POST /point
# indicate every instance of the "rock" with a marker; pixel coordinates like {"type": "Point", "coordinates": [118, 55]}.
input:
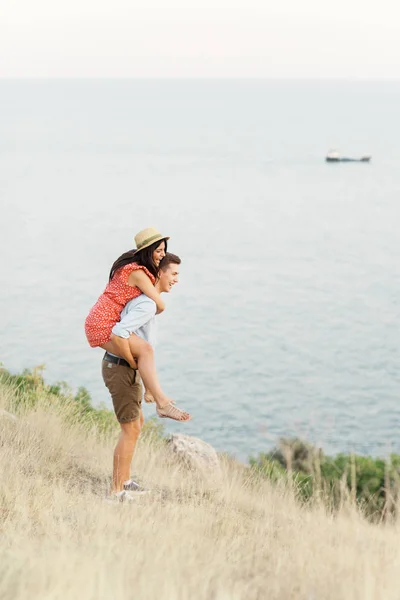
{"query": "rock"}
{"type": "Point", "coordinates": [7, 415]}
{"type": "Point", "coordinates": [197, 455]}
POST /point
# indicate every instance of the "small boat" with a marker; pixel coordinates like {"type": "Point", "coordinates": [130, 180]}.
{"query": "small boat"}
{"type": "Point", "coordinates": [334, 157]}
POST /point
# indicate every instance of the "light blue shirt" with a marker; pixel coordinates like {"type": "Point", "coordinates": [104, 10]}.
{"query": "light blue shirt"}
{"type": "Point", "coordinates": [138, 317]}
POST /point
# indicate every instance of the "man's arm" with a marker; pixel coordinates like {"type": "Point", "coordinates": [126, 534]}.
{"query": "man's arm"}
{"type": "Point", "coordinates": [135, 314]}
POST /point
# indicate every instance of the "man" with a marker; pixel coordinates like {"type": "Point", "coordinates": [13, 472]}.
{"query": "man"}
{"type": "Point", "coordinates": [124, 383]}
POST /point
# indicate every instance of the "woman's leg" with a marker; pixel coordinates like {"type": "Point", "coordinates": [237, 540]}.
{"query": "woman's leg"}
{"type": "Point", "coordinates": [144, 354]}
{"type": "Point", "coordinates": [120, 347]}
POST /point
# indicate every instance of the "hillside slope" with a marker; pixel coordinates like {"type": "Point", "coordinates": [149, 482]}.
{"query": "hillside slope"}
{"type": "Point", "coordinates": [60, 540]}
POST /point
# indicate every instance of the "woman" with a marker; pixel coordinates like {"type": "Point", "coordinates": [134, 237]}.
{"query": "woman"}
{"type": "Point", "coordinates": [132, 274]}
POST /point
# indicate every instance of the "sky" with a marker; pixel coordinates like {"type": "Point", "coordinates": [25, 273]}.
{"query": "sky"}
{"type": "Point", "coordinates": [206, 38]}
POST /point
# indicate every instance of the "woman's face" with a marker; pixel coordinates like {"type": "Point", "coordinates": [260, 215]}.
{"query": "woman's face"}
{"type": "Point", "coordinates": [159, 253]}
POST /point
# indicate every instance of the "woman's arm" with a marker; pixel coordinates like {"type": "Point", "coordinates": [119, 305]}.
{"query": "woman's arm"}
{"type": "Point", "coordinates": [139, 279]}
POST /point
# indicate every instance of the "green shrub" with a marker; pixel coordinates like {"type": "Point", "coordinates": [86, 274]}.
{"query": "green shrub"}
{"type": "Point", "coordinates": [29, 388]}
{"type": "Point", "coordinates": [373, 483]}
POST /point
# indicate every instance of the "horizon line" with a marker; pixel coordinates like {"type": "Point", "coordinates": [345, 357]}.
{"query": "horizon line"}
{"type": "Point", "coordinates": [354, 79]}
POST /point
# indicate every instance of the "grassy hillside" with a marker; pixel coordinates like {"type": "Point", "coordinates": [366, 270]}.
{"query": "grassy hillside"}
{"type": "Point", "coordinates": [250, 539]}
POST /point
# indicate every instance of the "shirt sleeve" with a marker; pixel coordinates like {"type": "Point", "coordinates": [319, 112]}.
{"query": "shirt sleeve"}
{"type": "Point", "coordinates": [135, 314]}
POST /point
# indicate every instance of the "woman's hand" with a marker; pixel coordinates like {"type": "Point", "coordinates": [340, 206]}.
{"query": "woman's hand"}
{"type": "Point", "coordinates": [139, 279]}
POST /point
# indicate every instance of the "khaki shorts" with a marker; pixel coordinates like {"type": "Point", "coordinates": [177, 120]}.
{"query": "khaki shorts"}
{"type": "Point", "coordinates": [125, 387]}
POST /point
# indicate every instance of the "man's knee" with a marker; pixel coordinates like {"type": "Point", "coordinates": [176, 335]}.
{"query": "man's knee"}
{"type": "Point", "coordinates": [132, 429]}
{"type": "Point", "coordinates": [137, 426]}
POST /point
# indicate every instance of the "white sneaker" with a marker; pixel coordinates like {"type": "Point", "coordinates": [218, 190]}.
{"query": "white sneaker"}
{"type": "Point", "coordinates": [123, 496]}
{"type": "Point", "coordinates": [133, 486]}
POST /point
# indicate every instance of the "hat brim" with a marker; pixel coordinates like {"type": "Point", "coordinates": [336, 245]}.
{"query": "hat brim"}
{"type": "Point", "coordinates": [151, 241]}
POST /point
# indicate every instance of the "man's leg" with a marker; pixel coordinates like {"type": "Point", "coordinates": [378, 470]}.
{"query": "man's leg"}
{"type": "Point", "coordinates": [124, 451]}
{"type": "Point", "coordinates": [125, 387]}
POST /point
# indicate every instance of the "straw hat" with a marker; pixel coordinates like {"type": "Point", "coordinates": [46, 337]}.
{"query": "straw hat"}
{"type": "Point", "coordinates": [148, 236]}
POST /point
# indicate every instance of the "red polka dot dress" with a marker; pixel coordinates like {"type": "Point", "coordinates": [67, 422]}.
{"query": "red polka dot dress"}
{"type": "Point", "coordinates": [106, 312]}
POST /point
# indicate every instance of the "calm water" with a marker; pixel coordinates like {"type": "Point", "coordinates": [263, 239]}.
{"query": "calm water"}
{"type": "Point", "coordinates": [286, 319]}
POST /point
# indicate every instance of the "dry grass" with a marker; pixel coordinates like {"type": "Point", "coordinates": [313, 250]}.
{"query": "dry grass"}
{"type": "Point", "coordinates": [248, 540]}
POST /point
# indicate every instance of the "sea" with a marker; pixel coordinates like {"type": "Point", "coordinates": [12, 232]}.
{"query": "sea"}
{"type": "Point", "coordinates": [285, 321]}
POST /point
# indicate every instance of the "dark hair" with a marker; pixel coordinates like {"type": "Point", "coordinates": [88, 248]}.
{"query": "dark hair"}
{"type": "Point", "coordinates": [141, 257]}
{"type": "Point", "coordinates": [169, 259]}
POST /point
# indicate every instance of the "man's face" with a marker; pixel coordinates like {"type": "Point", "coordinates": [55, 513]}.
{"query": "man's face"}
{"type": "Point", "coordinates": [168, 278]}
